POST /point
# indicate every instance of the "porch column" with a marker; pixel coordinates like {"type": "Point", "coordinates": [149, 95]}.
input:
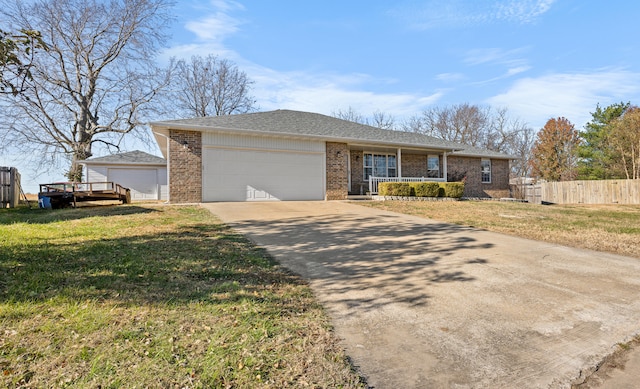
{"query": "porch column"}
{"type": "Point", "coordinates": [444, 165]}
{"type": "Point", "coordinates": [399, 162]}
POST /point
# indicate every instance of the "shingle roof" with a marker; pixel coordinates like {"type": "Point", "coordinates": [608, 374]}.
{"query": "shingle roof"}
{"type": "Point", "coordinates": [471, 151]}
{"type": "Point", "coordinates": [307, 124]}
{"type": "Point", "coordinates": [136, 157]}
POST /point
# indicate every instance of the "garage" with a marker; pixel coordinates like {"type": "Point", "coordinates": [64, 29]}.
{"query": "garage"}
{"type": "Point", "coordinates": [144, 183]}
{"type": "Point", "coordinates": [235, 174]}
{"type": "Point", "coordinates": [143, 173]}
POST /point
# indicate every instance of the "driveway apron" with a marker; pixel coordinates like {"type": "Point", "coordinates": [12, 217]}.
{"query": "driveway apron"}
{"type": "Point", "coordinates": [423, 304]}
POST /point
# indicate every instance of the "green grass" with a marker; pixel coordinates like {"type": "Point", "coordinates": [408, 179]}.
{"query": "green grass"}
{"type": "Point", "coordinates": [144, 296]}
{"type": "Point", "coordinates": [609, 228]}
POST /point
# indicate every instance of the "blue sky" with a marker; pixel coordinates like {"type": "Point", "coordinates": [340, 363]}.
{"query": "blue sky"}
{"type": "Point", "coordinates": [538, 58]}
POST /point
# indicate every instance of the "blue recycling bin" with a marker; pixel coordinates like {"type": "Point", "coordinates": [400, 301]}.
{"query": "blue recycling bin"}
{"type": "Point", "coordinates": [44, 202]}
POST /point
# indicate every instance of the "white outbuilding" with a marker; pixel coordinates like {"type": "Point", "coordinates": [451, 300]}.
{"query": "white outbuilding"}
{"type": "Point", "coordinates": [143, 173]}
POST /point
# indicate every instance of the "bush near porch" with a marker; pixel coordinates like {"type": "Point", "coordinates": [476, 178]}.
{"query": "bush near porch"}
{"type": "Point", "coordinates": [421, 189]}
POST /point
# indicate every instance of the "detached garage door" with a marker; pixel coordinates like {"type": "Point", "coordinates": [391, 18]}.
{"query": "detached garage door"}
{"type": "Point", "coordinates": [142, 182]}
{"type": "Point", "coordinates": [262, 175]}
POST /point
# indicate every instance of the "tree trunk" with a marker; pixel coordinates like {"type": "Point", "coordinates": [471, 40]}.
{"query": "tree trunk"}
{"type": "Point", "coordinates": [80, 154]}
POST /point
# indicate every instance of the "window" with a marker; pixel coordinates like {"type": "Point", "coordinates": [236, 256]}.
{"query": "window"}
{"type": "Point", "coordinates": [485, 165]}
{"type": "Point", "coordinates": [433, 166]}
{"type": "Point", "coordinates": [379, 165]}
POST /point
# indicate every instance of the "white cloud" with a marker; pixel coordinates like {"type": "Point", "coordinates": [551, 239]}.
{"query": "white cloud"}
{"type": "Point", "coordinates": [327, 93]}
{"type": "Point", "coordinates": [227, 5]}
{"type": "Point", "coordinates": [457, 13]}
{"type": "Point", "coordinates": [213, 27]}
{"type": "Point", "coordinates": [450, 77]}
{"type": "Point", "coordinates": [517, 70]}
{"type": "Point", "coordinates": [492, 55]}
{"type": "Point", "coordinates": [211, 30]}
{"type": "Point", "coordinates": [574, 96]}
{"type": "Point", "coordinates": [510, 62]}
{"type": "Point", "coordinates": [522, 11]}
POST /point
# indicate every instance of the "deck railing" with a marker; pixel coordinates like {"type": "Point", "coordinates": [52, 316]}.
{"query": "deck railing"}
{"type": "Point", "coordinates": [374, 181]}
{"type": "Point", "coordinates": [90, 187]}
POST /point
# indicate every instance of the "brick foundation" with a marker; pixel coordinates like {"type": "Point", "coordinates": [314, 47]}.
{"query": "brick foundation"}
{"type": "Point", "coordinates": [185, 172]}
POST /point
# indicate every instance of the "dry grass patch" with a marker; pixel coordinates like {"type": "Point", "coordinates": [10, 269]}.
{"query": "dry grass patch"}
{"type": "Point", "coordinates": [144, 296]}
{"type": "Point", "coordinates": [610, 228]}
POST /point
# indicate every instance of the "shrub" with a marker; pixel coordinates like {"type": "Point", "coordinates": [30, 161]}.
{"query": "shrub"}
{"type": "Point", "coordinates": [425, 189]}
{"type": "Point", "coordinates": [394, 189]}
{"type": "Point", "coordinates": [452, 189]}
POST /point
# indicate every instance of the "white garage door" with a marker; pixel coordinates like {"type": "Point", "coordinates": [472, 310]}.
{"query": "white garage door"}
{"type": "Point", "coordinates": [142, 182]}
{"type": "Point", "coordinates": [262, 175]}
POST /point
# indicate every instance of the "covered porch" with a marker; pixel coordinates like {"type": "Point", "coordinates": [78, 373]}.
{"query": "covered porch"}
{"type": "Point", "coordinates": [370, 165]}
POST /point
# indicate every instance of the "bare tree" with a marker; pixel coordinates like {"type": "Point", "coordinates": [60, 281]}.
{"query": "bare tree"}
{"type": "Point", "coordinates": [383, 120]}
{"type": "Point", "coordinates": [521, 146]}
{"type": "Point", "coordinates": [502, 131]}
{"type": "Point", "coordinates": [351, 115]}
{"type": "Point", "coordinates": [484, 127]}
{"type": "Point", "coordinates": [462, 123]}
{"type": "Point", "coordinates": [378, 119]}
{"type": "Point", "coordinates": [413, 124]}
{"type": "Point", "coordinates": [211, 86]}
{"type": "Point", "coordinates": [95, 82]}
{"type": "Point", "coordinates": [624, 139]}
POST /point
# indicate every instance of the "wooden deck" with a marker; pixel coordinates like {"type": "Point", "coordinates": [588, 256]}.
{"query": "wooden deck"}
{"type": "Point", "coordinates": [62, 194]}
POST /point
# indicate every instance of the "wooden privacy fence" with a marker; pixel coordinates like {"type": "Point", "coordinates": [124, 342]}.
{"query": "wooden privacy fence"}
{"type": "Point", "coordinates": [9, 187]}
{"type": "Point", "coordinates": [582, 192]}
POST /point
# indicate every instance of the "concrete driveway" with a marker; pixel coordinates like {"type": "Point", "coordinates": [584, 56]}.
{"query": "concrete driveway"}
{"type": "Point", "coordinates": [424, 304]}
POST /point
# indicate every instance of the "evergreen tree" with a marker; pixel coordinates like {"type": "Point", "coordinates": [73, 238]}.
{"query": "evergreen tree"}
{"type": "Point", "coordinates": [597, 156]}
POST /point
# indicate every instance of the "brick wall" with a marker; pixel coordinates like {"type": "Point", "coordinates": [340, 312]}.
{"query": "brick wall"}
{"type": "Point", "coordinates": [414, 165]}
{"type": "Point", "coordinates": [357, 173]}
{"type": "Point", "coordinates": [470, 167]}
{"type": "Point", "coordinates": [337, 173]}
{"type": "Point", "coordinates": [185, 167]}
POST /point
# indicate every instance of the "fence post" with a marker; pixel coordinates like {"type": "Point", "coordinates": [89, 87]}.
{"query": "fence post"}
{"type": "Point", "coordinates": [9, 187]}
{"type": "Point", "coordinates": [3, 187]}
{"type": "Point", "coordinates": [14, 188]}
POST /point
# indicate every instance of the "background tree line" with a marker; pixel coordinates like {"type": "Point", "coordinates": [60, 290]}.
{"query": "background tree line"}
{"type": "Point", "coordinates": [607, 148]}
{"type": "Point", "coordinates": [473, 125]}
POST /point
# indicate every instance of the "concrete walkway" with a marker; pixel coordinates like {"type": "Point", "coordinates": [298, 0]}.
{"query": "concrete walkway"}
{"type": "Point", "coordinates": [424, 304]}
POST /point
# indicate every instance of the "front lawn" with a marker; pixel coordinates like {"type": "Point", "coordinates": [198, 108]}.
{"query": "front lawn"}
{"type": "Point", "coordinates": [610, 228]}
{"type": "Point", "coordinates": [154, 296]}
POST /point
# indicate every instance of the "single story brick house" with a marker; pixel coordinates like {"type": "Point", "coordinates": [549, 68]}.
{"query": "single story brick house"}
{"type": "Point", "coordinates": [143, 173]}
{"type": "Point", "coordinates": [293, 155]}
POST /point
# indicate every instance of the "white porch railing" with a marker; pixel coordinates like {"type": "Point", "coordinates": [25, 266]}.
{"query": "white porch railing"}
{"type": "Point", "coordinates": [374, 181]}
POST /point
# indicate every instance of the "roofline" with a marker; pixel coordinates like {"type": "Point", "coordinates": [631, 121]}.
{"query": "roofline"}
{"type": "Point", "coordinates": [88, 162]}
{"type": "Point", "coordinates": [173, 126]}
